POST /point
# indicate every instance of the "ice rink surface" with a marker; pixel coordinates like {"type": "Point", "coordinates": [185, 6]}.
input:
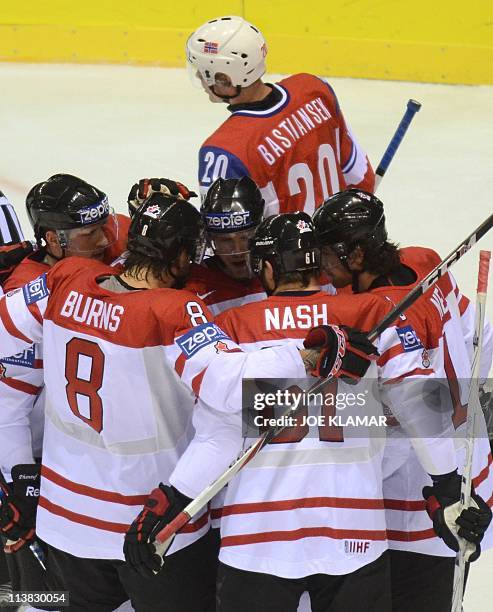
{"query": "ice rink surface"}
{"type": "Point", "coordinates": [112, 125]}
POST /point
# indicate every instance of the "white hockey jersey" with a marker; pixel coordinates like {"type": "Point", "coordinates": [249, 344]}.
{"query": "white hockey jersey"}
{"type": "Point", "coordinates": [312, 502]}
{"type": "Point", "coordinates": [119, 373]}
{"type": "Point", "coordinates": [409, 526]}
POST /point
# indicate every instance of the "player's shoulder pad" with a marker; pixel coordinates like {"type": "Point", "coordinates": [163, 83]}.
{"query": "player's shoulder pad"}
{"type": "Point", "coordinates": [360, 310]}
{"type": "Point", "coordinates": [173, 307]}
{"type": "Point", "coordinates": [36, 289]}
{"type": "Point", "coordinates": [422, 257]}
{"type": "Point", "coordinates": [306, 81]}
{"type": "Point", "coordinates": [71, 267]}
{"type": "Point", "coordinates": [217, 161]}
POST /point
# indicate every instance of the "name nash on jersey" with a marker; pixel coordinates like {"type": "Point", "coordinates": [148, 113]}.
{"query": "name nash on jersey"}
{"type": "Point", "coordinates": [304, 316]}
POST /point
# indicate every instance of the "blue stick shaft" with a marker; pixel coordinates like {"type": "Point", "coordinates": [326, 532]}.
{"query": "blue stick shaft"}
{"type": "Point", "coordinates": [412, 108]}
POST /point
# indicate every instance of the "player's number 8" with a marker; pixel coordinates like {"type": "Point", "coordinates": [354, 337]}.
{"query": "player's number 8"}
{"type": "Point", "coordinates": [87, 387]}
{"type": "Point", "coordinates": [196, 314]}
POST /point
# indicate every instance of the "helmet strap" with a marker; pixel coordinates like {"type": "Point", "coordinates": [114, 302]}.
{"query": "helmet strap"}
{"type": "Point", "coordinates": [226, 98]}
{"type": "Point", "coordinates": [355, 282]}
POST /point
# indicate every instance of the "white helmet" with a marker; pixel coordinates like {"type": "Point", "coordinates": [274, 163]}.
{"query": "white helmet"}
{"type": "Point", "coordinates": [229, 45]}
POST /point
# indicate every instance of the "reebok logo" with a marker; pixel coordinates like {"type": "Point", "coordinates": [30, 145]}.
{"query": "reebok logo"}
{"type": "Point", "coordinates": [32, 492]}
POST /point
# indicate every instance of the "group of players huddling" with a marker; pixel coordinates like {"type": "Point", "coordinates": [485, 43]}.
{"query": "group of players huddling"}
{"type": "Point", "coordinates": [124, 342]}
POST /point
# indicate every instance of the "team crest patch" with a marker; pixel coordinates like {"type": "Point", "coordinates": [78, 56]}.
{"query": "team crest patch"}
{"type": "Point", "coordinates": [35, 290]}
{"type": "Point", "coordinates": [153, 211]}
{"type": "Point", "coordinates": [199, 337]}
{"type": "Point", "coordinates": [221, 346]}
{"type": "Point", "coordinates": [303, 226]}
{"type": "Point", "coordinates": [409, 339]}
{"type": "Point", "coordinates": [425, 359]}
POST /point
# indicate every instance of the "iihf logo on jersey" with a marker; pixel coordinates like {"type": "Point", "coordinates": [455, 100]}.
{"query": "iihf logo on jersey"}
{"type": "Point", "coordinates": [409, 339]}
{"type": "Point", "coordinates": [35, 290]}
{"type": "Point", "coordinates": [356, 547]}
{"type": "Point", "coordinates": [211, 47]}
{"type": "Point", "coordinates": [26, 358]}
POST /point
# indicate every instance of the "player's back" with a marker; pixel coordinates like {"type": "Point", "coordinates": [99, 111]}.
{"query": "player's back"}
{"type": "Point", "coordinates": [117, 415]}
{"type": "Point", "coordinates": [299, 150]}
{"type": "Point", "coordinates": [311, 502]}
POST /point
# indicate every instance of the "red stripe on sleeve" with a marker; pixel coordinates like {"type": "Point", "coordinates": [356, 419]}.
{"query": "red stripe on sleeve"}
{"type": "Point", "coordinates": [415, 372]}
{"type": "Point", "coordinates": [197, 382]}
{"type": "Point", "coordinates": [180, 364]}
{"type": "Point", "coordinates": [463, 304]}
{"type": "Point", "coordinates": [20, 385]}
{"type": "Point", "coordinates": [389, 354]}
{"type": "Point", "coordinates": [34, 310]}
{"type": "Point", "coordinates": [9, 324]}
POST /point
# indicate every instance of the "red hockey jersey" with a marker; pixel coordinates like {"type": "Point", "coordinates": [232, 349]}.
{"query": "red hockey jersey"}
{"type": "Point", "coordinates": [299, 152]}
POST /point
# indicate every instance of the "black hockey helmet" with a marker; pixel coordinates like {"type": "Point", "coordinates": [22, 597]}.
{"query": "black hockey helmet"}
{"type": "Point", "coordinates": [348, 217]}
{"type": "Point", "coordinates": [232, 205]}
{"type": "Point", "coordinates": [164, 225]}
{"type": "Point", "coordinates": [288, 242]}
{"type": "Point", "coordinates": [65, 202]}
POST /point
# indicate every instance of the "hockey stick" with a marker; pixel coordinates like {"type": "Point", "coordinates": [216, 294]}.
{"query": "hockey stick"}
{"type": "Point", "coordinates": [208, 493]}
{"type": "Point", "coordinates": [34, 546]}
{"type": "Point", "coordinates": [472, 413]}
{"type": "Point", "coordinates": [412, 108]}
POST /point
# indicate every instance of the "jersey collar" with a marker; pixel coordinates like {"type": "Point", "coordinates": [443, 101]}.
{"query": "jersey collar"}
{"type": "Point", "coordinates": [270, 105]}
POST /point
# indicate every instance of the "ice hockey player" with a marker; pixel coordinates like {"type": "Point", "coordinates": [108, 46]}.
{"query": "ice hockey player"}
{"type": "Point", "coordinates": [230, 213]}
{"type": "Point", "coordinates": [290, 137]}
{"type": "Point", "coordinates": [107, 339]}
{"type": "Point", "coordinates": [356, 252]}
{"type": "Point", "coordinates": [69, 217]}
{"type": "Point", "coordinates": [290, 275]}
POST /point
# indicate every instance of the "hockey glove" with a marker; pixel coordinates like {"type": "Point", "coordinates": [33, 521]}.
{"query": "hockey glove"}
{"type": "Point", "coordinates": [161, 507]}
{"type": "Point", "coordinates": [146, 187]}
{"type": "Point", "coordinates": [443, 507]}
{"type": "Point", "coordinates": [19, 502]}
{"type": "Point", "coordinates": [346, 352]}
{"type": "Point", "coordinates": [11, 255]}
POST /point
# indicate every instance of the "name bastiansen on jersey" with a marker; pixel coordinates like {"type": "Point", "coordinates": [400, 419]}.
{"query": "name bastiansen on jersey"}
{"type": "Point", "coordinates": [291, 129]}
{"type": "Point", "coordinates": [321, 421]}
